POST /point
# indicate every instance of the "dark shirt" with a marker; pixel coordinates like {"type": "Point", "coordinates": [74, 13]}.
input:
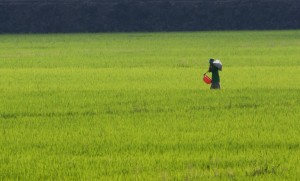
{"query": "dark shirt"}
{"type": "Point", "coordinates": [215, 74]}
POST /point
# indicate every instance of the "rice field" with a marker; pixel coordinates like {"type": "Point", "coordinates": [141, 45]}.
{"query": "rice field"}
{"type": "Point", "coordinates": [133, 106]}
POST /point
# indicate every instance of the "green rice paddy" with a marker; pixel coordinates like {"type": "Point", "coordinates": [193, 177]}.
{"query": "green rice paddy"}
{"type": "Point", "coordinates": [133, 106]}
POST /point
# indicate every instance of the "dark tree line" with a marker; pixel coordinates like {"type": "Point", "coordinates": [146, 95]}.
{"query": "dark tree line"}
{"type": "Point", "coordinates": [157, 15]}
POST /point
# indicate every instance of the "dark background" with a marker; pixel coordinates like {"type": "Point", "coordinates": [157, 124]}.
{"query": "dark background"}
{"type": "Point", "coordinates": [48, 16]}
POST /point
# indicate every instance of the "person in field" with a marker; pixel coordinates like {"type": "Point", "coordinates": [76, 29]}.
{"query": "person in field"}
{"type": "Point", "coordinates": [215, 83]}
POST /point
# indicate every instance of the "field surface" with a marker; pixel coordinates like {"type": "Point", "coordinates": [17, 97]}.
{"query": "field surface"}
{"type": "Point", "coordinates": [134, 106]}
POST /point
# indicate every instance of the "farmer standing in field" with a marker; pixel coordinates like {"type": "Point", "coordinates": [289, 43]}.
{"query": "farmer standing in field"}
{"type": "Point", "coordinates": [214, 67]}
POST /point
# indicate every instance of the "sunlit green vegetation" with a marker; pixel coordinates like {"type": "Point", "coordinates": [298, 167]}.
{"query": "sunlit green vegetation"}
{"type": "Point", "coordinates": [134, 106]}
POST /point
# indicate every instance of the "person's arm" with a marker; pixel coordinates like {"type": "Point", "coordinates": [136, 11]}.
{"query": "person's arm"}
{"type": "Point", "coordinates": [210, 68]}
